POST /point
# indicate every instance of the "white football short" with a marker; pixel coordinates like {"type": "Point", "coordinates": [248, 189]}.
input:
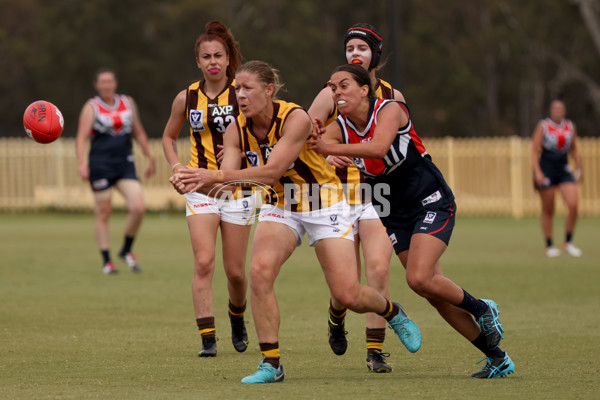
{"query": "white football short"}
{"type": "Point", "coordinates": [234, 211]}
{"type": "Point", "coordinates": [359, 212]}
{"type": "Point", "coordinates": [325, 223]}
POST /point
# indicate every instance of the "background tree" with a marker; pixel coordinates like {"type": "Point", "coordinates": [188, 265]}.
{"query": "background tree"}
{"type": "Point", "coordinates": [468, 68]}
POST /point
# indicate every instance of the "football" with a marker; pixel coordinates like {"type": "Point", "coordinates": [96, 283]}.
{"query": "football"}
{"type": "Point", "coordinates": [43, 121]}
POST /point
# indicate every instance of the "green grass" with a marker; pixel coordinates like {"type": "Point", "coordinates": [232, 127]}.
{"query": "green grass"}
{"type": "Point", "coordinates": [68, 332]}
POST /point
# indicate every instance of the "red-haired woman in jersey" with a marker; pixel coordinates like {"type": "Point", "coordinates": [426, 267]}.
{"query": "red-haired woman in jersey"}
{"type": "Point", "coordinates": [111, 120]}
{"type": "Point", "coordinates": [418, 206]}
{"type": "Point", "coordinates": [209, 105]}
{"type": "Point", "coordinates": [363, 46]}
{"type": "Point", "coordinates": [554, 138]}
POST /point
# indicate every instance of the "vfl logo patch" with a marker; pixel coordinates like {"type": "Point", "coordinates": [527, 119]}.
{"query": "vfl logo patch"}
{"type": "Point", "coordinates": [360, 163]}
{"type": "Point", "coordinates": [252, 158]}
{"type": "Point", "coordinates": [245, 203]}
{"type": "Point", "coordinates": [197, 120]}
{"type": "Point", "coordinates": [430, 217]}
{"type": "Point", "coordinates": [333, 219]}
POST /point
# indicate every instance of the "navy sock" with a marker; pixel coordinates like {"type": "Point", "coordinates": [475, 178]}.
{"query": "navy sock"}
{"type": "Point", "coordinates": [569, 237]}
{"type": "Point", "coordinates": [481, 344]}
{"type": "Point", "coordinates": [472, 305]}
{"type": "Point", "coordinates": [105, 256]}
{"type": "Point", "coordinates": [127, 245]}
{"type": "Point", "coordinates": [548, 242]}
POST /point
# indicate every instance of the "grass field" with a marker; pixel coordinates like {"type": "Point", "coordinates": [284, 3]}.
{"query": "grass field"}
{"type": "Point", "coordinates": [68, 332]}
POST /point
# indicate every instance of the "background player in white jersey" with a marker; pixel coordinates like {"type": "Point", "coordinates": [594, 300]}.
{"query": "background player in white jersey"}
{"type": "Point", "coordinates": [111, 120]}
{"type": "Point", "coordinates": [554, 138]}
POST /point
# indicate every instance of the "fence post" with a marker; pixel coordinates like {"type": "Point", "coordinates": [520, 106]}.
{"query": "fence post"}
{"type": "Point", "coordinates": [450, 154]}
{"type": "Point", "coordinates": [60, 160]}
{"type": "Point", "coordinates": [516, 177]}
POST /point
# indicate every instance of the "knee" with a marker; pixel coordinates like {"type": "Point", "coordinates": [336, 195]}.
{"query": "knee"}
{"type": "Point", "coordinates": [261, 279]}
{"type": "Point", "coordinates": [419, 283]}
{"type": "Point", "coordinates": [138, 208]}
{"type": "Point", "coordinates": [548, 210]}
{"type": "Point", "coordinates": [103, 212]}
{"type": "Point", "coordinates": [346, 297]}
{"type": "Point", "coordinates": [204, 266]}
{"type": "Point", "coordinates": [236, 276]}
{"type": "Point", "coordinates": [378, 275]}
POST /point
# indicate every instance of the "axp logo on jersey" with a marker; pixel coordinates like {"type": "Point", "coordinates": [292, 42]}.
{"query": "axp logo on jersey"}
{"type": "Point", "coordinates": [219, 111]}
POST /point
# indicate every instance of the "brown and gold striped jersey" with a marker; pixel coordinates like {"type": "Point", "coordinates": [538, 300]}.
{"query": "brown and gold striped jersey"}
{"type": "Point", "coordinates": [309, 183]}
{"type": "Point", "coordinates": [208, 119]}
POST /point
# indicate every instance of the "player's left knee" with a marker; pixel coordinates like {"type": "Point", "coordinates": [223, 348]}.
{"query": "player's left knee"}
{"type": "Point", "coordinates": [346, 298]}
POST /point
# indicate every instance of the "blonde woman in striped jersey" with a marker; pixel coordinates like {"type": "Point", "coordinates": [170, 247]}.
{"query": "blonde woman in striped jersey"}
{"type": "Point", "coordinates": [303, 196]}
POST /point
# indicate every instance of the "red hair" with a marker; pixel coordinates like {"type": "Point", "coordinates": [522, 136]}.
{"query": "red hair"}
{"type": "Point", "coordinates": [216, 30]}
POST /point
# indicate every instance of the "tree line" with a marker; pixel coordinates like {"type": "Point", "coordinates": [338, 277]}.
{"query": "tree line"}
{"type": "Point", "coordinates": [466, 68]}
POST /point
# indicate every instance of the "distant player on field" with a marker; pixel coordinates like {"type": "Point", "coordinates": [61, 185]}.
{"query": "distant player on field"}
{"type": "Point", "coordinates": [554, 138]}
{"type": "Point", "coordinates": [111, 120]}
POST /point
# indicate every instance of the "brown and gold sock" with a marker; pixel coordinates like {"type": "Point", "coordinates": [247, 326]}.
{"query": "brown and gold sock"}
{"type": "Point", "coordinates": [270, 352]}
{"type": "Point", "coordinates": [336, 317]}
{"type": "Point", "coordinates": [391, 310]}
{"type": "Point", "coordinates": [375, 338]}
{"type": "Point", "coordinates": [236, 311]}
{"type": "Point", "coordinates": [206, 326]}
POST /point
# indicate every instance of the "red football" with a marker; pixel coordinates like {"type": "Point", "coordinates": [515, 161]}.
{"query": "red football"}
{"type": "Point", "coordinates": [43, 121]}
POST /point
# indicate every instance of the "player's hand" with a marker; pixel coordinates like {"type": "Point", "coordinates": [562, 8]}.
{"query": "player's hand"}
{"type": "Point", "coordinates": [179, 186]}
{"type": "Point", "coordinates": [220, 154]}
{"type": "Point", "coordinates": [195, 178]}
{"type": "Point", "coordinates": [541, 180]}
{"type": "Point", "coordinates": [316, 143]}
{"type": "Point", "coordinates": [318, 126]}
{"type": "Point", "coordinates": [578, 175]}
{"type": "Point", "coordinates": [339, 161]}
{"type": "Point", "coordinates": [84, 172]}
{"type": "Point", "coordinates": [151, 168]}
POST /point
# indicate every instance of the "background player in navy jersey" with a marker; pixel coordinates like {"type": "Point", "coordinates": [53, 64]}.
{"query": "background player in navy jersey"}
{"type": "Point", "coordinates": [554, 138]}
{"type": "Point", "coordinates": [363, 46]}
{"type": "Point", "coordinates": [419, 214]}
{"type": "Point", "coordinates": [111, 120]}
{"type": "Point", "coordinates": [209, 105]}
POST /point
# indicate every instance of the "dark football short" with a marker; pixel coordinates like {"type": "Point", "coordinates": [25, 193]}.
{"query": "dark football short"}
{"type": "Point", "coordinates": [555, 175]}
{"type": "Point", "coordinates": [435, 221]}
{"type": "Point", "coordinates": [103, 177]}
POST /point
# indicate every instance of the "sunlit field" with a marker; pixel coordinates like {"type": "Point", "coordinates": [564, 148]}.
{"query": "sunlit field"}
{"type": "Point", "coordinates": [69, 332]}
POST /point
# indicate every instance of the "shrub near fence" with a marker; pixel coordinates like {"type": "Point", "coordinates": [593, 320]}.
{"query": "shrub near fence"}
{"type": "Point", "coordinates": [489, 176]}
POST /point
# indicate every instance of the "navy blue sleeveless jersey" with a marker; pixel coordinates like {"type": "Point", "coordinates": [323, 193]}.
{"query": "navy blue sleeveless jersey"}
{"type": "Point", "coordinates": [407, 174]}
